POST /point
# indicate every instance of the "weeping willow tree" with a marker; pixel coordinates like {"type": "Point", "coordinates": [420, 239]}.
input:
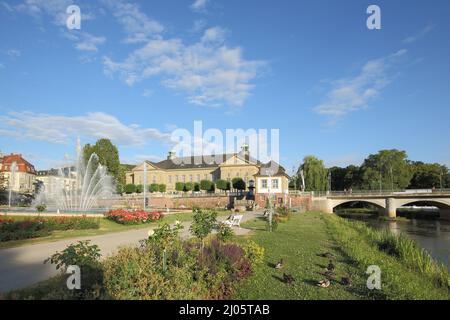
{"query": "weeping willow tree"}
{"type": "Point", "coordinates": [315, 174]}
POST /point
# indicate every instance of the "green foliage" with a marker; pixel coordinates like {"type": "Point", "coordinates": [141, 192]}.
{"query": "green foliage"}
{"type": "Point", "coordinates": [41, 207]}
{"type": "Point", "coordinates": [428, 175]}
{"type": "Point", "coordinates": [389, 166]}
{"type": "Point", "coordinates": [196, 186]}
{"type": "Point", "coordinates": [42, 226]}
{"type": "Point", "coordinates": [179, 186]}
{"type": "Point", "coordinates": [162, 188]}
{"type": "Point", "coordinates": [154, 187]}
{"type": "Point", "coordinates": [315, 174]}
{"type": "Point", "coordinates": [188, 186]}
{"type": "Point", "coordinates": [108, 155]}
{"type": "Point", "coordinates": [223, 185]}
{"type": "Point", "coordinates": [238, 184]}
{"type": "Point", "coordinates": [130, 188]}
{"type": "Point", "coordinates": [254, 252]}
{"type": "Point", "coordinates": [165, 235]}
{"type": "Point", "coordinates": [203, 223]}
{"type": "Point", "coordinates": [224, 232]}
{"type": "Point", "coordinates": [139, 188]}
{"type": "Point", "coordinates": [206, 185]}
{"type": "Point", "coordinates": [79, 254]}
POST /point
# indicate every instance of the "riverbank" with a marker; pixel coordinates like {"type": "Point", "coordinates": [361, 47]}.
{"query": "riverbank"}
{"type": "Point", "coordinates": [300, 242]}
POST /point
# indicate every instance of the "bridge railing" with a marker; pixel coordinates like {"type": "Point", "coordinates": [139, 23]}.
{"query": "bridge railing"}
{"type": "Point", "coordinates": [357, 193]}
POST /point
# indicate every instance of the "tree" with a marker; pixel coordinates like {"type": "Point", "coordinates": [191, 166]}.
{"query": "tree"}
{"type": "Point", "coordinates": [337, 178]}
{"type": "Point", "coordinates": [108, 156]}
{"type": "Point", "coordinates": [179, 186]}
{"type": "Point", "coordinates": [223, 185]}
{"type": "Point", "coordinates": [130, 188]}
{"type": "Point", "coordinates": [206, 185]}
{"type": "Point", "coordinates": [428, 175]}
{"type": "Point", "coordinates": [392, 168]}
{"type": "Point", "coordinates": [188, 186]}
{"type": "Point", "coordinates": [162, 188]}
{"type": "Point", "coordinates": [154, 187]}
{"type": "Point", "coordinates": [203, 224]}
{"type": "Point", "coordinates": [315, 174]}
{"type": "Point", "coordinates": [196, 186]}
{"type": "Point", "coordinates": [139, 188]}
{"type": "Point", "coordinates": [238, 184]}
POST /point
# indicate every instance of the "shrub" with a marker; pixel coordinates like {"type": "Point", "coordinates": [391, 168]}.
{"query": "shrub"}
{"type": "Point", "coordinates": [132, 217]}
{"type": "Point", "coordinates": [206, 185]}
{"type": "Point", "coordinates": [80, 254]}
{"type": "Point", "coordinates": [238, 184]}
{"type": "Point", "coordinates": [203, 223]}
{"type": "Point", "coordinates": [154, 187]}
{"type": "Point", "coordinates": [254, 252]}
{"type": "Point", "coordinates": [188, 186]}
{"type": "Point", "coordinates": [139, 188]}
{"type": "Point", "coordinates": [41, 207]}
{"type": "Point", "coordinates": [223, 185]}
{"type": "Point", "coordinates": [162, 188]}
{"type": "Point", "coordinates": [224, 232]}
{"type": "Point", "coordinates": [179, 186]}
{"type": "Point", "coordinates": [130, 188]}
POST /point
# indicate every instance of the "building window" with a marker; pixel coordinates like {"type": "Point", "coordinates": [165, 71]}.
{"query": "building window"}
{"type": "Point", "coordinates": [198, 178]}
{"type": "Point", "coordinates": [206, 177]}
{"type": "Point", "coordinates": [154, 179]}
{"type": "Point", "coordinates": [184, 178]}
{"type": "Point", "coordinates": [170, 179]}
{"type": "Point", "coordinates": [190, 177]}
{"type": "Point", "coordinates": [264, 183]}
{"type": "Point", "coordinates": [275, 183]}
{"type": "Point", "coordinates": [176, 178]}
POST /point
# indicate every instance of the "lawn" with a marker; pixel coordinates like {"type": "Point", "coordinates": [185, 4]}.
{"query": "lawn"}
{"type": "Point", "coordinates": [299, 243]}
{"type": "Point", "coordinates": [106, 226]}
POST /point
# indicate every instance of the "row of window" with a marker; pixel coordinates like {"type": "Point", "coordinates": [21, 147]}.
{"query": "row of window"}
{"type": "Point", "coordinates": [264, 183]}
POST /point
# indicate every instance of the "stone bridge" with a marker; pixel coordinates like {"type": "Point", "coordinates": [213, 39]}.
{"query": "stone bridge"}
{"type": "Point", "coordinates": [388, 203]}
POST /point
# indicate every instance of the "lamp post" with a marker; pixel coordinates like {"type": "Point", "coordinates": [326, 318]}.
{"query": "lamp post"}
{"type": "Point", "coordinates": [145, 185]}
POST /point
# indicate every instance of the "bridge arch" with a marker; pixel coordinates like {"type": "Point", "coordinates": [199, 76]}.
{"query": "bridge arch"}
{"type": "Point", "coordinates": [440, 203]}
{"type": "Point", "coordinates": [379, 203]}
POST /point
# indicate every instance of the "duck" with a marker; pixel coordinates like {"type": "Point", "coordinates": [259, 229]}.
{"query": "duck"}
{"type": "Point", "coordinates": [288, 279]}
{"type": "Point", "coordinates": [325, 283]}
{"type": "Point", "coordinates": [328, 255]}
{"type": "Point", "coordinates": [346, 281]}
{"type": "Point", "coordinates": [279, 264]}
{"type": "Point", "coordinates": [330, 275]}
{"type": "Point", "coordinates": [330, 266]}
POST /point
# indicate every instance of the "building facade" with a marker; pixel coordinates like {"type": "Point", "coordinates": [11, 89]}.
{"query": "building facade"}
{"type": "Point", "coordinates": [54, 180]}
{"type": "Point", "coordinates": [267, 178]}
{"type": "Point", "coordinates": [17, 174]}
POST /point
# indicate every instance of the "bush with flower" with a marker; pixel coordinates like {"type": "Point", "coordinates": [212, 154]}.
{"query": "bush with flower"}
{"type": "Point", "coordinates": [133, 217]}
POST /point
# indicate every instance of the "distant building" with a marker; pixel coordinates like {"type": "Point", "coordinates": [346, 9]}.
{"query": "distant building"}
{"type": "Point", "coordinates": [55, 180]}
{"type": "Point", "coordinates": [213, 167]}
{"type": "Point", "coordinates": [23, 179]}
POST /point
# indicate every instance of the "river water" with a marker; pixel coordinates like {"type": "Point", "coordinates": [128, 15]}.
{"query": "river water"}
{"type": "Point", "coordinates": [432, 235]}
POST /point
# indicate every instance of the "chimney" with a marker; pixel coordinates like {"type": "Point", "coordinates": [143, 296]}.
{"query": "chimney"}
{"type": "Point", "coordinates": [245, 151]}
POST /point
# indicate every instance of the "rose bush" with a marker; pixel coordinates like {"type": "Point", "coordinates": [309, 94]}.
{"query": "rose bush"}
{"type": "Point", "coordinates": [132, 217]}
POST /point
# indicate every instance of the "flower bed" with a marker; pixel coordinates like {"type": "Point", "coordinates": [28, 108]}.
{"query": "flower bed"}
{"type": "Point", "coordinates": [18, 229]}
{"type": "Point", "coordinates": [132, 217]}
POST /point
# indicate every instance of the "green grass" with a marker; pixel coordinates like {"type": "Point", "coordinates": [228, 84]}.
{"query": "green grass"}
{"type": "Point", "coordinates": [300, 240]}
{"type": "Point", "coordinates": [106, 226]}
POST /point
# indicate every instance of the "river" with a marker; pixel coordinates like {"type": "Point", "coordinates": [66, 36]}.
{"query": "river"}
{"type": "Point", "coordinates": [432, 235]}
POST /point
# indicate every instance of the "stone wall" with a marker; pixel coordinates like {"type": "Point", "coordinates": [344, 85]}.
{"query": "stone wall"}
{"type": "Point", "coordinates": [302, 202]}
{"type": "Point", "coordinates": [172, 202]}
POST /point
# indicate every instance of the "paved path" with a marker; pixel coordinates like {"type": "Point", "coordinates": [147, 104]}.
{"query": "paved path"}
{"type": "Point", "coordinates": [23, 266]}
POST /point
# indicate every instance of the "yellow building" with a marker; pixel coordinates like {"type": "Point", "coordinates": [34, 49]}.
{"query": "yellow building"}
{"type": "Point", "coordinates": [213, 167]}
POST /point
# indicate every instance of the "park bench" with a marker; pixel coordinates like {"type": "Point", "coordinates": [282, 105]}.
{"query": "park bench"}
{"type": "Point", "coordinates": [234, 221]}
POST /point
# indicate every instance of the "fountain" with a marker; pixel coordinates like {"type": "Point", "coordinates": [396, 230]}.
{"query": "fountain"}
{"type": "Point", "coordinates": [12, 178]}
{"type": "Point", "coordinates": [79, 190]}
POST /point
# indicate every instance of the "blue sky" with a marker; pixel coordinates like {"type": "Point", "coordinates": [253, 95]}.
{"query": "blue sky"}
{"type": "Point", "coordinates": [312, 69]}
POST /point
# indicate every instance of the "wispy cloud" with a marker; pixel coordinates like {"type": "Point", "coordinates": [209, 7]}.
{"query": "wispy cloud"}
{"type": "Point", "coordinates": [208, 71]}
{"type": "Point", "coordinates": [13, 53]}
{"type": "Point", "coordinates": [138, 26]}
{"type": "Point", "coordinates": [199, 5]}
{"type": "Point", "coordinates": [56, 9]}
{"type": "Point", "coordinates": [60, 129]}
{"type": "Point", "coordinates": [355, 93]}
{"type": "Point", "coordinates": [419, 35]}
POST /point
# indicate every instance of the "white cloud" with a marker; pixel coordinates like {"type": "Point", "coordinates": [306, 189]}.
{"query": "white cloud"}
{"type": "Point", "coordinates": [63, 129]}
{"type": "Point", "coordinates": [138, 26]}
{"type": "Point", "coordinates": [418, 35]}
{"type": "Point", "coordinates": [208, 71]}
{"type": "Point", "coordinates": [13, 53]}
{"type": "Point", "coordinates": [352, 94]}
{"type": "Point", "coordinates": [199, 5]}
{"type": "Point", "coordinates": [89, 42]}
